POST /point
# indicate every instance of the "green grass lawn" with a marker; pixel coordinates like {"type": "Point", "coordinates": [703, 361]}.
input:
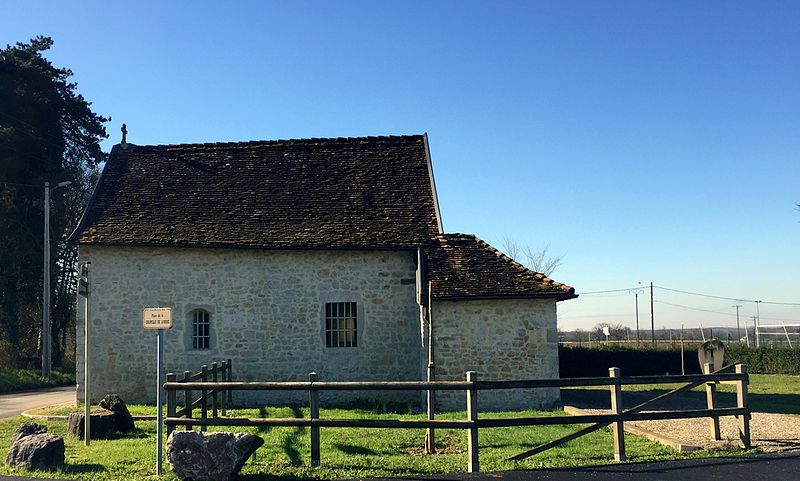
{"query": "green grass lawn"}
{"type": "Point", "coordinates": [354, 453]}
{"type": "Point", "coordinates": [23, 379]}
{"type": "Point", "coordinates": [346, 452]}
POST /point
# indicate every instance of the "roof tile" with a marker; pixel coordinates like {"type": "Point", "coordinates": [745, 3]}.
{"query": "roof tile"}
{"type": "Point", "coordinates": [361, 192]}
{"type": "Point", "coordinates": [464, 266]}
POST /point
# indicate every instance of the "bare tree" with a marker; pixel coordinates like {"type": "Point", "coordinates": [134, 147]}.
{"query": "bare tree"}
{"type": "Point", "coordinates": [536, 259]}
{"type": "Point", "coordinates": [616, 332]}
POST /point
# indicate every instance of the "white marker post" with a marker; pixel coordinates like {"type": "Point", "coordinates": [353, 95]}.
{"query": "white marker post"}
{"type": "Point", "coordinates": [159, 319]}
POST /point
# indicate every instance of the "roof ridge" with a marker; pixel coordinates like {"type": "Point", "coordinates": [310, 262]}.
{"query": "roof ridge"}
{"type": "Point", "coordinates": [244, 143]}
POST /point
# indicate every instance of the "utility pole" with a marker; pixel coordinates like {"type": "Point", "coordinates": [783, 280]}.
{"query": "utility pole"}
{"type": "Point", "coordinates": [755, 329]}
{"type": "Point", "coordinates": [738, 329]}
{"type": "Point", "coordinates": [652, 319]}
{"type": "Point", "coordinates": [46, 287]}
{"type": "Point", "coordinates": [47, 350]}
{"type": "Point", "coordinates": [758, 323]}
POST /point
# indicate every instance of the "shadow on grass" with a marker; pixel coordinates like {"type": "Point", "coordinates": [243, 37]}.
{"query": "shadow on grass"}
{"type": "Point", "coordinates": [357, 450]}
{"type": "Point", "coordinates": [270, 477]}
{"type": "Point", "coordinates": [135, 433]}
{"type": "Point", "coordinates": [262, 412]}
{"type": "Point", "coordinates": [83, 468]}
{"type": "Point", "coordinates": [291, 441]}
{"type": "Point", "coordinates": [600, 399]}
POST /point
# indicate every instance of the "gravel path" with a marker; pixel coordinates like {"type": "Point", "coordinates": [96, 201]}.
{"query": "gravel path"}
{"type": "Point", "coordinates": [770, 432]}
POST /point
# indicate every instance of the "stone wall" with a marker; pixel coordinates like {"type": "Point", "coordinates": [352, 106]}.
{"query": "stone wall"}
{"type": "Point", "coordinates": [508, 339]}
{"type": "Point", "coordinates": [267, 315]}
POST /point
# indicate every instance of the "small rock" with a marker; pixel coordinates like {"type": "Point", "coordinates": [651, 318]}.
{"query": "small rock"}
{"type": "Point", "coordinates": [101, 425]}
{"type": "Point", "coordinates": [209, 456]}
{"type": "Point", "coordinates": [26, 429]}
{"type": "Point", "coordinates": [123, 421]}
{"type": "Point", "coordinates": [32, 447]}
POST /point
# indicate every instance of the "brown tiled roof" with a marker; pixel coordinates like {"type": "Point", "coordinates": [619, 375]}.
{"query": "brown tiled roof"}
{"type": "Point", "coordinates": [364, 192]}
{"type": "Point", "coordinates": [463, 266]}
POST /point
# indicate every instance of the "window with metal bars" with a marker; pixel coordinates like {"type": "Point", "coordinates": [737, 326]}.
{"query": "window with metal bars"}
{"type": "Point", "coordinates": [341, 324]}
{"type": "Point", "coordinates": [201, 330]}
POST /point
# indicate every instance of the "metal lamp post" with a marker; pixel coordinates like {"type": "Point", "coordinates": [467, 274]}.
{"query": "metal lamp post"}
{"type": "Point", "coordinates": [46, 337]}
{"type": "Point", "coordinates": [636, 293]}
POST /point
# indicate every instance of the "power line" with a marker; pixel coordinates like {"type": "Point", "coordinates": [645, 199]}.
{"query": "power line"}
{"type": "Point", "coordinates": [21, 185]}
{"type": "Point", "coordinates": [718, 312]}
{"type": "Point", "coordinates": [34, 132]}
{"type": "Point", "coordinates": [727, 298]}
{"type": "Point", "coordinates": [700, 294]}
{"type": "Point", "coordinates": [612, 290]}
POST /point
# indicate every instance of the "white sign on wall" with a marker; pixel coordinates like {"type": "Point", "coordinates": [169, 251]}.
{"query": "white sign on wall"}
{"type": "Point", "coordinates": [157, 318]}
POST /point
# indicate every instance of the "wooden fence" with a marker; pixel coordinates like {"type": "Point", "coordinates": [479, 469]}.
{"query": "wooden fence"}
{"type": "Point", "coordinates": [471, 386]}
{"type": "Point", "coordinates": [214, 397]}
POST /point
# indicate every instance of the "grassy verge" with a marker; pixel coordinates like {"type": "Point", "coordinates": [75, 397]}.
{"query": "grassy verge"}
{"type": "Point", "coordinates": [347, 452]}
{"type": "Point", "coordinates": [23, 379]}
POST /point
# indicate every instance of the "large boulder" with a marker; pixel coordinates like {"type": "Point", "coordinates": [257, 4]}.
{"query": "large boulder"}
{"type": "Point", "coordinates": [209, 456]}
{"type": "Point", "coordinates": [32, 447]}
{"type": "Point", "coordinates": [101, 425]}
{"type": "Point", "coordinates": [123, 421]}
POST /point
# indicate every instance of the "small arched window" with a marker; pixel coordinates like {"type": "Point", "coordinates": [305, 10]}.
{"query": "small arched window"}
{"type": "Point", "coordinates": [201, 330]}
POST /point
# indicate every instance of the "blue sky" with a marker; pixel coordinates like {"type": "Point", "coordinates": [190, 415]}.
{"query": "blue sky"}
{"type": "Point", "coordinates": [643, 141]}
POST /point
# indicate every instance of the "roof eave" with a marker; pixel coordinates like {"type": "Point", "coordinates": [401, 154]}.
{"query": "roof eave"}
{"type": "Point", "coordinates": [74, 238]}
{"type": "Point", "coordinates": [557, 297]}
{"type": "Point", "coordinates": [249, 247]}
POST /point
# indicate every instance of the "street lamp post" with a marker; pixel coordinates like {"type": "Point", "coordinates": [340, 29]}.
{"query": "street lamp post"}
{"type": "Point", "coordinates": [636, 293]}
{"type": "Point", "coordinates": [47, 360]}
{"type": "Point", "coordinates": [758, 324]}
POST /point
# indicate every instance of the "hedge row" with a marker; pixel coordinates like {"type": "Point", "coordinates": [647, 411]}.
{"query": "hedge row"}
{"type": "Point", "coordinates": [765, 360]}
{"type": "Point", "coordinates": [595, 361]}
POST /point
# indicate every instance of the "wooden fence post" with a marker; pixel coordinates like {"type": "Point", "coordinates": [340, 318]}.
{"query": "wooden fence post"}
{"type": "Point", "coordinates": [187, 393]}
{"type": "Point", "coordinates": [313, 403]}
{"type": "Point", "coordinates": [711, 389]}
{"type": "Point", "coordinates": [214, 395]}
{"type": "Point", "coordinates": [230, 378]}
{"type": "Point", "coordinates": [203, 396]}
{"type": "Point", "coordinates": [224, 375]}
{"type": "Point", "coordinates": [472, 415]}
{"type": "Point", "coordinates": [171, 402]}
{"type": "Point", "coordinates": [742, 402]}
{"type": "Point", "coordinates": [618, 427]}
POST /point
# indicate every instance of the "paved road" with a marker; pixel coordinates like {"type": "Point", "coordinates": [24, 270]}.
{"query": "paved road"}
{"type": "Point", "coordinates": [14, 403]}
{"type": "Point", "coordinates": [768, 467]}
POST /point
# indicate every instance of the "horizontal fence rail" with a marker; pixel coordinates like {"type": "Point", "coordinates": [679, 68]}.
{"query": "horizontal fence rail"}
{"type": "Point", "coordinates": [449, 385]}
{"type": "Point", "coordinates": [210, 388]}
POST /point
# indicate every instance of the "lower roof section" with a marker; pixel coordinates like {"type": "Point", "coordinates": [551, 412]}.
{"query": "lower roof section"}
{"type": "Point", "coordinates": [462, 266]}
